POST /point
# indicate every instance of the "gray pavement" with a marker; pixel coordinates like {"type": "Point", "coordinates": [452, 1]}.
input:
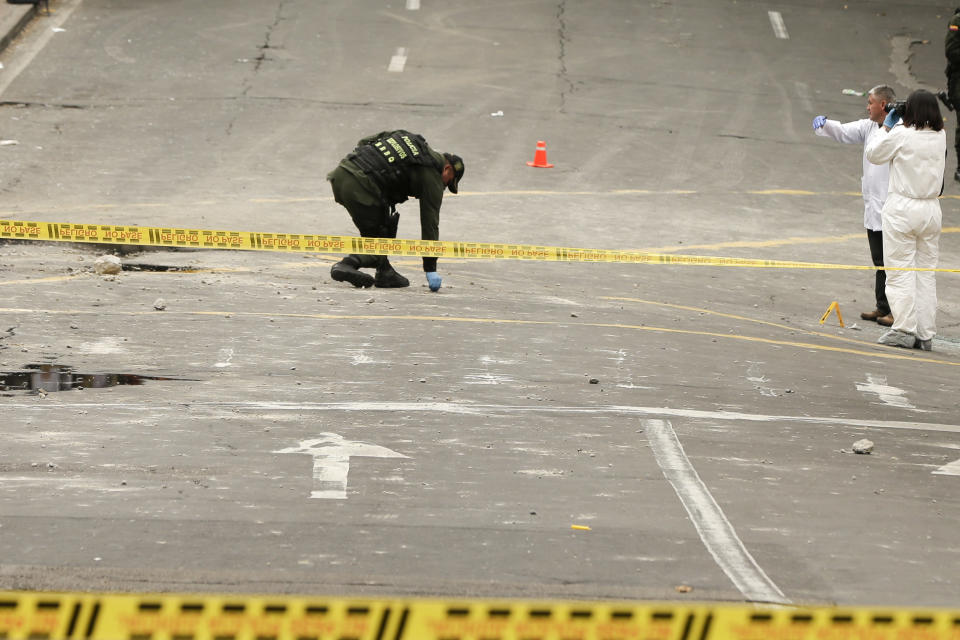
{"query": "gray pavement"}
{"type": "Point", "coordinates": [472, 430]}
{"type": "Point", "coordinates": [13, 19]}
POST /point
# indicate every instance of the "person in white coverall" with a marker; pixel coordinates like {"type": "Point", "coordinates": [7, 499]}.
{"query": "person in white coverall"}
{"type": "Point", "coordinates": [916, 151]}
{"type": "Point", "coordinates": [873, 185]}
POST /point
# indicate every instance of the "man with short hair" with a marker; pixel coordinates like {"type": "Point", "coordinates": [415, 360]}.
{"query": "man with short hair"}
{"type": "Point", "coordinates": [873, 186]}
{"type": "Point", "coordinates": [381, 172]}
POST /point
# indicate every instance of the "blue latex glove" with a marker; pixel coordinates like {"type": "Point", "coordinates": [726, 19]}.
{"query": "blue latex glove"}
{"type": "Point", "coordinates": [433, 280]}
{"type": "Point", "coordinates": [892, 119]}
{"type": "Point", "coordinates": [819, 121]}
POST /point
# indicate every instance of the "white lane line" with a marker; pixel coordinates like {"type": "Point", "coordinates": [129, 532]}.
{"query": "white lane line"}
{"type": "Point", "coordinates": [413, 5]}
{"type": "Point", "coordinates": [494, 409]}
{"type": "Point", "coordinates": [398, 60]}
{"type": "Point", "coordinates": [715, 530]}
{"type": "Point", "coordinates": [779, 28]}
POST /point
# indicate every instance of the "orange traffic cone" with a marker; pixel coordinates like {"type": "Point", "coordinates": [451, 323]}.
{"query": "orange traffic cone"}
{"type": "Point", "coordinates": [540, 157]}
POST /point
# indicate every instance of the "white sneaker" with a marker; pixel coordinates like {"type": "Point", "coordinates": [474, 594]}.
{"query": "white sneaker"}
{"type": "Point", "coordinates": [925, 345]}
{"type": "Point", "coordinates": [897, 338]}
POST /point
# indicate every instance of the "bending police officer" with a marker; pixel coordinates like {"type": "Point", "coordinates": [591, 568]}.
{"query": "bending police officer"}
{"type": "Point", "coordinates": [381, 172]}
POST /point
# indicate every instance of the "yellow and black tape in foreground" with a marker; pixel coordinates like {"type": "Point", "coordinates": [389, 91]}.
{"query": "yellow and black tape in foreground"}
{"type": "Point", "coordinates": [306, 243]}
{"type": "Point", "coordinates": [96, 616]}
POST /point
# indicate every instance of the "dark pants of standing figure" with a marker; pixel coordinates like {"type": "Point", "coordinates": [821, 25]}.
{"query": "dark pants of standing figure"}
{"type": "Point", "coordinates": [876, 253]}
{"type": "Point", "coordinates": [373, 219]}
{"type": "Point", "coordinates": [953, 90]}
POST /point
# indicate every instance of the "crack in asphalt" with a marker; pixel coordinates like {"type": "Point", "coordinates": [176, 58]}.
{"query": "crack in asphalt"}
{"type": "Point", "coordinates": [261, 58]}
{"type": "Point", "coordinates": [562, 58]}
{"type": "Point", "coordinates": [20, 104]}
{"type": "Point", "coordinates": [266, 41]}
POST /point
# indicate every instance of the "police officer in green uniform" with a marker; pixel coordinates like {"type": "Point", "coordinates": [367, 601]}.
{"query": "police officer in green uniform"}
{"type": "Point", "coordinates": [384, 170]}
{"type": "Point", "coordinates": [952, 50]}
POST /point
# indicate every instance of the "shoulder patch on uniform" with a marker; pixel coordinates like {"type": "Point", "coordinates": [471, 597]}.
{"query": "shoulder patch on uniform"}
{"type": "Point", "coordinates": [954, 27]}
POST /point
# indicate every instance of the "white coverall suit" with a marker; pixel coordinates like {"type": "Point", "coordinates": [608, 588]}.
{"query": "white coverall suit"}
{"type": "Point", "coordinates": [911, 222]}
{"type": "Point", "coordinates": [873, 184]}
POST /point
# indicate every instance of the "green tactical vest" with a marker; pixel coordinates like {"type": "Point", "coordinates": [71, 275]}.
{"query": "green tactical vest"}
{"type": "Point", "coordinates": [387, 159]}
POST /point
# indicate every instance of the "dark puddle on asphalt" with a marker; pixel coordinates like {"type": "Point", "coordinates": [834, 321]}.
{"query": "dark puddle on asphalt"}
{"type": "Point", "coordinates": [48, 378]}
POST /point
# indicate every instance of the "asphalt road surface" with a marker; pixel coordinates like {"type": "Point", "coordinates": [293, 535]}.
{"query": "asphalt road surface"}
{"type": "Point", "coordinates": [536, 430]}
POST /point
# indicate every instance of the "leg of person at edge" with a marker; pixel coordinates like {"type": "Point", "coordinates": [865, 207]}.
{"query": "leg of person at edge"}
{"type": "Point", "coordinates": [916, 150]}
{"type": "Point", "coordinates": [952, 52]}
{"type": "Point", "coordinates": [381, 172]}
{"type": "Point", "coordinates": [873, 185]}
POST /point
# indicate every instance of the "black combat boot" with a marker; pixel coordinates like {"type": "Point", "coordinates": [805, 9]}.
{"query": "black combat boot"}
{"type": "Point", "coordinates": [348, 270]}
{"type": "Point", "coordinates": [388, 277]}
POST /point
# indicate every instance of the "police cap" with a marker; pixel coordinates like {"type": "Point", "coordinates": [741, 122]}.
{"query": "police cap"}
{"type": "Point", "coordinates": [457, 163]}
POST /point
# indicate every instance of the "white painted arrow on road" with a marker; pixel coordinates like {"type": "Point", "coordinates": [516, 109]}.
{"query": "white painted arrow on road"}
{"type": "Point", "coordinates": [952, 469]}
{"type": "Point", "coordinates": [331, 462]}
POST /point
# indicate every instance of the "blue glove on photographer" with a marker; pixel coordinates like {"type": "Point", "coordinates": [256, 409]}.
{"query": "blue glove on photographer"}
{"type": "Point", "coordinates": [819, 121]}
{"type": "Point", "coordinates": [433, 280]}
{"type": "Point", "coordinates": [892, 119]}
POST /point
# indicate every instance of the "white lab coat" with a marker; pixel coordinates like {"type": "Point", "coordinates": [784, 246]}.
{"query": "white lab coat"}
{"type": "Point", "coordinates": [911, 222]}
{"type": "Point", "coordinates": [873, 184]}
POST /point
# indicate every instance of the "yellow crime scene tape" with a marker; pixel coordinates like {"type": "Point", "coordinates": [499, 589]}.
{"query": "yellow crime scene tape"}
{"type": "Point", "coordinates": [309, 243]}
{"type": "Point", "coordinates": [111, 616]}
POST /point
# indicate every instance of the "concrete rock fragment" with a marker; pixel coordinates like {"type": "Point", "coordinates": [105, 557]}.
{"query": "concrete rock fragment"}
{"type": "Point", "coordinates": [107, 265]}
{"type": "Point", "coordinates": [862, 446]}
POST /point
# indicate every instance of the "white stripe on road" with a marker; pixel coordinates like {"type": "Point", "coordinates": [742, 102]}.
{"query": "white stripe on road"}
{"type": "Point", "coordinates": [413, 5]}
{"type": "Point", "coordinates": [493, 409]}
{"type": "Point", "coordinates": [779, 28]}
{"type": "Point", "coordinates": [715, 530]}
{"type": "Point", "coordinates": [398, 60]}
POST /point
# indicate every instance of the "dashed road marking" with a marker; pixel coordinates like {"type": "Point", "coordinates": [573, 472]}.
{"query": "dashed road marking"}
{"type": "Point", "coordinates": [779, 28]}
{"type": "Point", "coordinates": [398, 61]}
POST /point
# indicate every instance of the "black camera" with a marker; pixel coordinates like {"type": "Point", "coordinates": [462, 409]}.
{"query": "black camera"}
{"type": "Point", "coordinates": [899, 106]}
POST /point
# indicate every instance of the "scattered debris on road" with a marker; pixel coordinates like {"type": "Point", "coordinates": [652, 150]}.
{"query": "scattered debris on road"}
{"type": "Point", "coordinates": [863, 446]}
